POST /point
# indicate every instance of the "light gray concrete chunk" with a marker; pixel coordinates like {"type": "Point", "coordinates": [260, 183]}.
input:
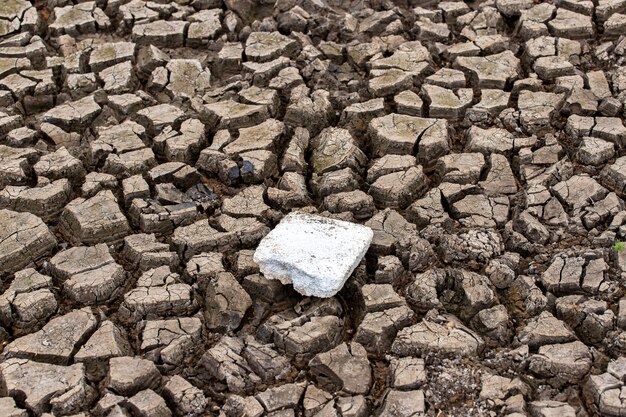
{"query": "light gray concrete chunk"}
{"type": "Point", "coordinates": [277, 258]}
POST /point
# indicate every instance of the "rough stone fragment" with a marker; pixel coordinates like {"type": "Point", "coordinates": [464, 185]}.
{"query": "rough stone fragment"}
{"type": "Point", "coordinates": [408, 135]}
{"type": "Point", "coordinates": [614, 176]}
{"type": "Point", "coordinates": [579, 191]}
{"type": "Point", "coordinates": [78, 19]}
{"type": "Point", "coordinates": [493, 71]}
{"type": "Point", "coordinates": [156, 118]}
{"type": "Point", "coordinates": [201, 237]}
{"type": "Point", "coordinates": [571, 25]}
{"type": "Point", "coordinates": [566, 363]}
{"type": "Point", "coordinates": [335, 149]}
{"type": "Point", "coordinates": [549, 408]}
{"type": "Point", "coordinates": [378, 329]}
{"type": "Point", "coordinates": [111, 53]}
{"type": "Point", "coordinates": [398, 189]}
{"type": "Point", "coordinates": [229, 114]}
{"type": "Point", "coordinates": [264, 136]}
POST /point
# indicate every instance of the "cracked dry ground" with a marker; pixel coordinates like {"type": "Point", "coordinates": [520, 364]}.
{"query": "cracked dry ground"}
{"type": "Point", "coordinates": [146, 147]}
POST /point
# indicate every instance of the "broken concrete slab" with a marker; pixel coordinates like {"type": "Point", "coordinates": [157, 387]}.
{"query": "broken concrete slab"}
{"type": "Point", "coordinates": [315, 254]}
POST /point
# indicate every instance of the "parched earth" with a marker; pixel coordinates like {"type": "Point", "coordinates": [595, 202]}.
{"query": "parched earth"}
{"type": "Point", "coordinates": [146, 147]}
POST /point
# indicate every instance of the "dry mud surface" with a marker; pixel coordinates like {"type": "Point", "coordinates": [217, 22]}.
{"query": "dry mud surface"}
{"type": "Point", "coordinates": [146, 147]}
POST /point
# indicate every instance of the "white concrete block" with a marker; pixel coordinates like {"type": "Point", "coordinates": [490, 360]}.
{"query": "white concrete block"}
{"type": "Point", "coordinates": [315, 254]}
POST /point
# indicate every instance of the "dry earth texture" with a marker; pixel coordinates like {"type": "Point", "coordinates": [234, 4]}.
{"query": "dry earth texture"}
{"type": "Point", "coordinates": [146, 147]}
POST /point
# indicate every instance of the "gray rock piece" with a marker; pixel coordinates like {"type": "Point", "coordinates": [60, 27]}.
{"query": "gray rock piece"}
{"type": "Point", "coordinates": [226, 302]}
{"type": "Point", "coordinates": [566, 363]}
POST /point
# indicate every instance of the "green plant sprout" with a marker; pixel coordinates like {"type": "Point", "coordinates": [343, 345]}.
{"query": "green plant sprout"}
{"type": "Point", "coordinates": [619, 246]}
